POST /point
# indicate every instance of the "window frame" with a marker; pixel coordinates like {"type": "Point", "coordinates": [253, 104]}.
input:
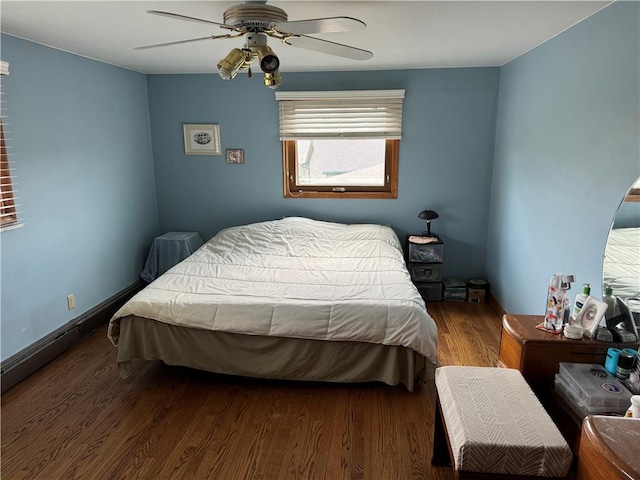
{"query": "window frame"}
{"type": "Point", "coordinates": [293, 190]}
{"type": "Point", "coordinates": [340, 114]}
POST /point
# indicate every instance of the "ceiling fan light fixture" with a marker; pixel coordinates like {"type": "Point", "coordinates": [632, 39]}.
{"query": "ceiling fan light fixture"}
{"type": "Point", "coordinates": [272, 79]}
{"type": "Point", "coordinates": [228, 67]}
{"type": "Point", "coordinates": [256, 21]}
{"type": "Point", "coordinates": [269, 61]}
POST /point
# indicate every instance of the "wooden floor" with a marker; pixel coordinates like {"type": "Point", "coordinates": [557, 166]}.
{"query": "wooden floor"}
{"type": "Point", "coordinates": [77, 419]}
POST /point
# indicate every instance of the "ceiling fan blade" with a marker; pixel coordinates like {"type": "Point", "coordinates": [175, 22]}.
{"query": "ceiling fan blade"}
{"type": "Point", "coordinates": [173, 43]}
{"type": "Point", "coordinates": [321, 25]}
{"type": "Point", "coordinates": [184, 17]}
{"type": "Point", "coordinates": [332, 48]}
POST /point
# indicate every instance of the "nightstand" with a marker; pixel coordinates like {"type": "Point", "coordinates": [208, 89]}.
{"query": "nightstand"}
{"type": "Point", "coordinates": [168, 250]}
{"type": "Point", "coordinates": [424, 261]}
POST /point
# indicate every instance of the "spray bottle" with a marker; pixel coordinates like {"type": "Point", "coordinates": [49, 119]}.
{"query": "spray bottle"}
{"type": "Point", "coordinates": [558, 304]}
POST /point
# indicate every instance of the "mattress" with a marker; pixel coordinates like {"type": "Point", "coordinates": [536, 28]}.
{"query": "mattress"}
{"type": "Point", "coordinates": [293, 278]}
{"type": "Point", "coordinates": [621, 266]}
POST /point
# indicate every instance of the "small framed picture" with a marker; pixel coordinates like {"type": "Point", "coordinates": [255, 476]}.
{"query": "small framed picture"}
{"type": "Point", "coordinates": [235, 155]}
{"type": "Point", "coordinates": [201, 139]}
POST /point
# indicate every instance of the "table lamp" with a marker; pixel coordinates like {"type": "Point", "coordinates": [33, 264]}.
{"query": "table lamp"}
{"type": "Point", "coordinates": [428, 215]}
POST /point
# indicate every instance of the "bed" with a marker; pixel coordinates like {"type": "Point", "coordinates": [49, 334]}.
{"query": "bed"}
{"type": "Point", "coordinates": [294, 299]}
{"type": "Point", "coordinates": [621, 266]}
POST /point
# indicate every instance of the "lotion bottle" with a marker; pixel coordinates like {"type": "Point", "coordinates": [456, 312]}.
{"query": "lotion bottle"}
{"type": "Point", "coordinates": [580, 299]}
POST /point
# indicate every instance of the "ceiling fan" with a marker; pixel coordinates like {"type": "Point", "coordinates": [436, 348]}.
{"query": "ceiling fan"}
{"type": "Point", "coordinates": [256, 21]}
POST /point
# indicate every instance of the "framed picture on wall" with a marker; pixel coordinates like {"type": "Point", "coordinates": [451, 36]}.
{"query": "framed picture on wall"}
{"type": "Point", "coordinates": [201, 139]}
{"type": "Point", "coordinates": [235, 155]}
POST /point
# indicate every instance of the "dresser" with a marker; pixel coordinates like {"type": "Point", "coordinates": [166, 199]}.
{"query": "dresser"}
{"type": "Point", "coordinates": [609, 448]}
{"type": "Point", "coordinates": [537, 355]}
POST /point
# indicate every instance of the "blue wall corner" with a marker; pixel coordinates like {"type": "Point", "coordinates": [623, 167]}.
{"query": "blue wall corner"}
{"type": "Point", "coordinates": [80, 139]}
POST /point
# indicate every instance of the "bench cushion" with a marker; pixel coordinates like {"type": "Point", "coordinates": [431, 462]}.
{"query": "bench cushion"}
{"type": "Point", "coordinates": [496, 424]}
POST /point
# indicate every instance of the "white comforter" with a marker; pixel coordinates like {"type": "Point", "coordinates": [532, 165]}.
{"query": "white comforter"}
{"type": "Point", "coordinates": [296, 278]}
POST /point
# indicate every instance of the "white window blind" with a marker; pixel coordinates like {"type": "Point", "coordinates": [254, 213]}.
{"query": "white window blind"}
{"type": "Point", "coordinates": [8, 207]}
{"type": "Point", "coordinates": [341, 114]}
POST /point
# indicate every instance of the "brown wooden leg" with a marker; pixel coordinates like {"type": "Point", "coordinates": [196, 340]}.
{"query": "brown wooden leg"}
{"type": "Point", "coordinates": [441, 456]}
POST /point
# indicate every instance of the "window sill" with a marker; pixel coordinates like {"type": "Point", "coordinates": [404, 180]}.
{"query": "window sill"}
{"type": "Point", "coordinates": [363, 195]}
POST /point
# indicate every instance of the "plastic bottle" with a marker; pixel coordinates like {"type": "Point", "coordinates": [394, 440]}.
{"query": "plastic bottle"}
{"type": "Point", "coordinates": [610, 300]}
{"type": "Point", "coordinates": [580, 299]}
{"type": "Point", "coordinates": [625, 365]}
{"type": "Point", "coordinates": [556, 303]}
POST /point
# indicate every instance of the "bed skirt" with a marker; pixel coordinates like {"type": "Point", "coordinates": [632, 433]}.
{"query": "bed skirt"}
{"type": "Point", "coordinates": [268, 357]}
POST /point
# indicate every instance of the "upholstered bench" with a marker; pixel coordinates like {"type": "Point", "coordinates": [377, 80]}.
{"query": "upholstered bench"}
{"type": "Point", "coordinates": [493, 426]}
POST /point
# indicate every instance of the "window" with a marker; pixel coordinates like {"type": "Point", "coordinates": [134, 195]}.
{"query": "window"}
{"type": "Point", "coordinates": [341, 144]}
{"type": "Point", "coordinates": [633, 195]}
{"type": "Point", "coordinates": [7, 202]}
{"type": "Point", "coordinates": [8, 213]}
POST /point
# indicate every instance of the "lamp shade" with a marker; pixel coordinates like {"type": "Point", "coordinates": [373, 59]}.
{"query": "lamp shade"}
{"type": "Point", "coordinates": [428, 215]}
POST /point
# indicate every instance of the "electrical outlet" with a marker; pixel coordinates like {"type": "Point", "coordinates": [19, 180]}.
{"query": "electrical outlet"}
{"type": "Point", "coordinates": [71, 302]}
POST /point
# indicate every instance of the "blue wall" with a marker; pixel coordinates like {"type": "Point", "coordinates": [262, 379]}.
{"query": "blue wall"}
{"type": "Point", "coordinates": [567, 150]}
{"type": "Point", "coordinates": [81, 144]}
{"type": "Point", "coordinates": [446, 155]}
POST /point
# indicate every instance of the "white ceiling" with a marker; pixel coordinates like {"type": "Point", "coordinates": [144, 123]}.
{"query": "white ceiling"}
{"type": "Point", "coordinates": [401, 34]}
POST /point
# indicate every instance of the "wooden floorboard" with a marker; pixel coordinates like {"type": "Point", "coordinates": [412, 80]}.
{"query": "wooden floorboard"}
{"type": "Point", "coordinates": [77, 419]}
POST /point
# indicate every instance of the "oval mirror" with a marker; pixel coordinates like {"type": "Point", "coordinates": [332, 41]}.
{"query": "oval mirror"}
{"type": "Point", "coordinates": [621, 265]}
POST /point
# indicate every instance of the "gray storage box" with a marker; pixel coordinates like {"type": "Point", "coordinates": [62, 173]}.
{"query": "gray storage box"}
{"type": "Point", "coordinates": [430, 292]}
{"type": "Point", "coordinates": [594, 385]}
{"type": "Point", "coordinates": [426, 253]}
{"type": "Point", "coordinates": [578, 405]}
{"type": "Point", "coordinates": [426, 272]}
{"type": "Point", "coordinates": [455, 290]}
